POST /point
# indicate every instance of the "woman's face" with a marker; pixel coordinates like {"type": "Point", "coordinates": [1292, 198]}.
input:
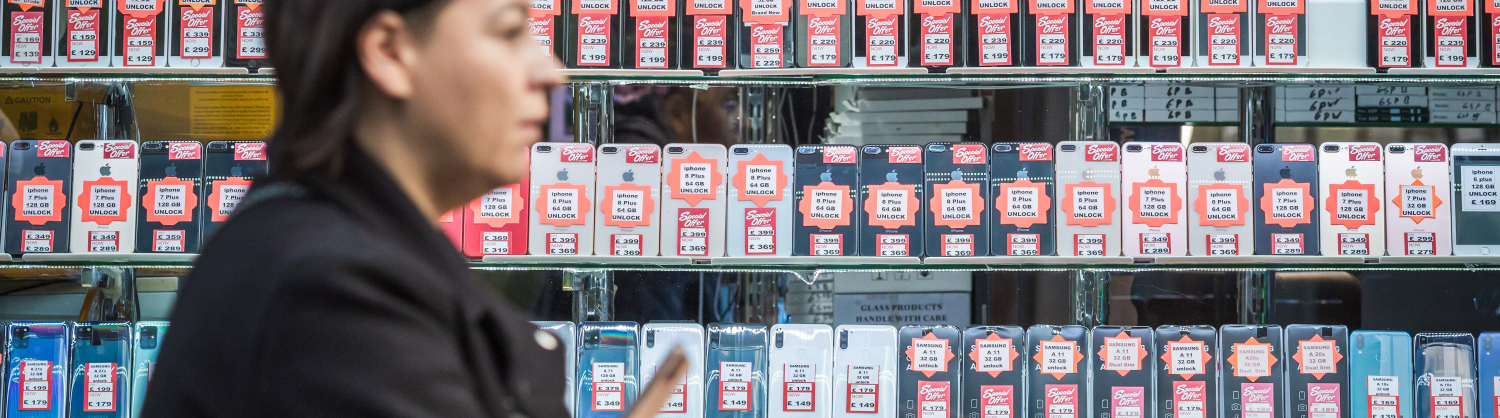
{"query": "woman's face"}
{"type": "Point", "coordinates": [480, 86]}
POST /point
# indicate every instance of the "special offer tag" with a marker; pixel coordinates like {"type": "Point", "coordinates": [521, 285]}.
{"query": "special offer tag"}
{"type": "Point", "coordinates": [760, 231]}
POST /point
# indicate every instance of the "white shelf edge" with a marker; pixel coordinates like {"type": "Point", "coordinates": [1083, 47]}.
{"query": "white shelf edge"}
{"type": "Point", "coordinates": [1444, 71]}
{"type": "Point", "coordinates": [1271, 70]}
{"type": "Point", "coordinates": [817, 261]}
{"type": "Point", "coordinates": [629, 73]}
{"type": "Point", "coordinates": [145, 70]}
{"type": "Point", "coordinates": [1260, 259]}
{"type": "Point", "coordinates": [770, 72]}
{"type": "Point", "coordinates": [584, 259]}
{"type": "Point", "coordinates": [1050, 70]}
{"type": "Point", "coordinates": [109, 257]}
{"type": "Point", "coordinates": [1037, 260]}
{"type": "Point", "coordinates": [1452, 259]}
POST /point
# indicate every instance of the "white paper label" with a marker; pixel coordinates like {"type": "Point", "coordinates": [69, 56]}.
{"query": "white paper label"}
{"type": "Point", "coordinates": [1286, 203]}
{"type": "Point", "coordinates": [496, 203]}
{"type": "Point", "coordinates": [627, 205]}
{"type": "Point", "coordinates": [1057, 357]}
{"type": "Point", "coordinates": [994, 355]}
{"type": "Point", "coordinates": [958, 204]}
{"type": "Point", "coordinates": [1089, 245]}
{"type": "Point", "coordinates": [1317, 357]}
{"type": "Point", "coordinates": [827, 204]}
{"type": "Point", "coordinates": [1121, 354]}
{"type": "Point", "coordinates": [1480, 194]}
{"type": "Point", "coordinates": [1088, 202]}
{"type": "Point", "coordinates": [1021, 202]}
{"type": "Point", "coordinates": [495, 243]}
{"type": "Point", "coordinates": [693, 179]}
{"type": "Point", "coordinates": [760, 180]}
{"type": "Point", "coordinates": [625, 245]}
{"type": "Point", "coordinates": [562, 203]}
{"type": "Point", "coordinates": [891, 205]}
{"type": "Point", "coordinates": [1187, 358]}
{"type": "Point", "coordinates": [929, 355]}
{"type": "Point", "coordinates": [1253, 360]}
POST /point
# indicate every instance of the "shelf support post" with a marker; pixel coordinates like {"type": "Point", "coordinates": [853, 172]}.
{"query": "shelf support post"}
{"type": "Point", "coordinates": [593, 113]}
{"type": "Point", "coordinates": [108, 295]}
{"type": "Point", "coordinates": [1257, 115]}
{"type": "Point", "coordinates": [1090, 293]}
{"type": "Point", "coordinates": [760, 113]}
{"type": "Point", "coordinates": [1255, 296]}
{"type": "Point", "coordinates": [593, 294]}
{"type": "Point", "coordinates": [1090, 112]}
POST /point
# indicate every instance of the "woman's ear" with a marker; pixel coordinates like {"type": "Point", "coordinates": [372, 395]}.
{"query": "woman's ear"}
{"type": "Point", "coordinates": [387, 54]}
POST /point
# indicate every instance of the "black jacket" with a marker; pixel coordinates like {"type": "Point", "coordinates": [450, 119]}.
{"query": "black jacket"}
{"type": "Point", "coordinates": [338, 299]}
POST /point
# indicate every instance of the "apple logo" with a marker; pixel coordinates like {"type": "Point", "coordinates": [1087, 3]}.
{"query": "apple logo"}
{"type": "Point", "coordinates": [891, 176]}
{"type": "Point", "coordinates": [1286, 172]}
{"type": "Point", "coordinates": [1351, 172]}
{"type": "Point", "coordinates": [1022, 174]}
{"type": "Point", "coordinates": [1088, 174]}
{"type": "Point", "coordinates": [562, 174]}
{"type": "Point", "coordinates": [1416, 173]}
{"type": "Point", "coordinates": [40, 170]}
{"type": "Point", "coordinates": [827, 175]}
{"type": "Point", "coordinates": [956, 175]}
{"type": "Point", "coordinates": [1153, 172]}
{"type": "Point", "coordinates": [236, 171]}
{"type": "Point", "coordinates": [1219, 175]}
{"type": "Point", "coordinates": [104, 171]}
{"type": "Point", "coordinates": [629, 176]}
{"type": "Point", "coordinates": [172, 170]}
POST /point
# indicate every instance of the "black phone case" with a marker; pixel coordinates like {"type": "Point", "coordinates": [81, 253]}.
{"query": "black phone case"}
{"type": "Point", "coordinates": [990, 389]}
{"type": "Point", "coordinates": [173, 16]}
{"type": "Point", "coordinates": [156, 165]}
{"type": "Point", "coordinates": [1232, 385]}
{"type": "Point", "coordinates": [231, 39]}
{"type": "Point", "coordinates": [26, 165]}
{"type": "Point", "coordinates": [1134, 388]}
{"type": "Point", "coordinates": [810, 172]}
{"type": "Point", "coordinates": [220, 164]}
{"type": "Point", "coordinates": [1173, 390]}
{"type": "Point", "coordinates": [917, 388]}
{"type": "Point", "coordinates": [1269, 168]}
{"type": "Point", "coordinates": [1045, 390]}
{"type": "Point", "coordinates": [1006, 167]}
{"type": "Point", "coordinates": [942, 168]}
{"type": "Point", "coordinates": [875, 163]}
{"type": "Point", "coordinates": [1306, 390]}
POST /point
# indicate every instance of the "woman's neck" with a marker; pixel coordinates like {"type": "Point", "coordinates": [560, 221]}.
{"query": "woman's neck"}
{"type": "Point", "coordinates": [389, 145]}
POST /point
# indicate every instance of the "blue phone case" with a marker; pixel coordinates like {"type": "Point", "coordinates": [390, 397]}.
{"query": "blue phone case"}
{"type": "Point", "coordinates": [1489, 374]}
{"type": "Point", "coordinates": [606, 369]}
{"type": "Point", "coordinates": [99, 386]}
{"type": "Point", "coordinates": [28, 344]}
{"type": "Point", "coordinates": [738, 352]}
{"type": "Point", "coordinates": [1380, 374]}
{"type": "Point", "coordinates": [1445, 375]}
{"type": "Point", "coordinates": [145, 344]}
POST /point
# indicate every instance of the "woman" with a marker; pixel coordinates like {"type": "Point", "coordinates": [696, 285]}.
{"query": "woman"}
{"type": "Point", "coordinates": [331, 292]}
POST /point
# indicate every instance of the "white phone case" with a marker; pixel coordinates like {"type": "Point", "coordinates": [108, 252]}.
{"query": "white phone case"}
{"type": "Point", "coordinates": [1154, 178]}
{"type": "Point", "coordinates": [1088, 223]}
{"type": "Point", "coordinates": [657, 340]}
{"type": "Point", "coordinates": [104, 180]}
{"type": "Point", "coordinates": [1220, 201]}
{"type": "Point", "coordinates": [628, 194]}
{"type": "Point", "coordinates": [800, 358]}
{"type": "Point", "coordinates": [1351, 182]}
{"type": "Point", "coordinates": [1418, 216]}
{"type": "Point", "coordinates": [568, 333]}
{"type": "Point", "coordinates": [692, 215]}
{"type": "Point", "coordinates": [760, 201]}
{"type": "Point", "coordinates": [864, 371]}
{"type": "Point", "coordinates": [562, 189]}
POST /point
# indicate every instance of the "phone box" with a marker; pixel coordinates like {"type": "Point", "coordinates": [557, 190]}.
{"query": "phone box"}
{"type": "Point", "coordinates": [930, 370]}
{"type": "Point", "coordinates": [1445, 376]}
{"type": "Point", "coordinates": [1353, 188]}
{"type": "Point", "coordinates": [495, 224]}
{"type": "Point", "coordinates": [1393, 38]}
{"type": "Point", "coordinates": [562, 190]}
{"type": "Point", "coordinates": [1317, 378]}
{"type": "Point", "coordinates": [567, 332]}
{"type": "Point", "coordinates": [825, 30]}
{"type": "Point", "coordinates": [958, 180]}
{"type": "Point", "coordinates": [100, 378]}
{"type": "Point", "coordinates": [1489, 374]}
{"type": "Point", "coordinates": [1381, 374]}
{"type": "Point", "coordinates": [84, 33]}
{"type": "Point", "coordinates": [827, 182]}
{"type": "Point", "coordinates": [709, 37]}
{"type": "Point", "coordinates": [1219, 196]}
{"type": "Point", "coordinates": [1155, 196]}
{"type": "Point", "coordinates": [1166, 34]}
{"type": "Point", "coordinates": [1187, 383]}
{"type": "Point", "coordinates": [801, 357]}
{"type": "Point", "coordinates": [1450, 24]}
{"type": "Point", "coordinates": [105, 176]}
{"type": "Point", "coordinates": [545, 23]}
{"type": "Point", "coordinates": [1251, 360]}
{"type": "Point", "coordinates": [1281, 33]}
{"type": "Point", "coordinates": [171, 183]}
{"type": "Point", "coordinates": [1058, 380]}
{"type": "Point", "coordinates": [607, 364]}
{"type": "Point", "coordinates": [26, 36]}
{"type": "Point", "coordinates": [657, 341]}
{"type": "Point", "coordinates": [246, 36]}
{"type": "Point", "coordinates": [194, 41]}
{"type": "Point", "coordinates": [994, 378]}
{"type": "Point", "coordinates": [1123, 380]}
{"type": "Point", "coordinates": [1419, 213]}
{"type": "Point", "coordinates": [1088, 209]}
{"type": "Point", "coordinates": [938, 34]}
{"type": "Point", "coordinates": [865, 369]}
{"type": "Point", "coordinates": [995, 38]}
{"type": "Point", "coordinates": [693, 201]}
{"type": "Point", "coordinates": [892, 193]}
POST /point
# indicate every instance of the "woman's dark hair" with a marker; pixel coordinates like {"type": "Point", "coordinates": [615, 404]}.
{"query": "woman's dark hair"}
{"type": "Point", "coordinates": [311, 45]}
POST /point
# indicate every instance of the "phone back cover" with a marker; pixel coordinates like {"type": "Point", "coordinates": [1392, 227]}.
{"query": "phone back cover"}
{"type": "Point", "coordinates": [606, 369]}
{"type": "Point", "coordinates": [1318, 375]}
{"type": "Point", "coordinates": [143, 361]}
{"type": "Point", "coordinates": [930, 370]}
{"type": "Point", "coordinates": [659, 339]}
{"type": "Point", "coordinates": [628, 192]}
{"type": "Point", "coordinates": [1353, 187]}
{"type": "Point", "coordinates": [1155, 183]}
{"type": "Point", "coordinates": [760, 201]}
{"type": "Point", "coordinates": [104, 179]}
{"type": "Point", "coordinates": [1123, 371]}
{"type": "Point", "coordinates": [1022, 219]}
{"type": "Point", "coordinates": [495, 224]}
{"type": "Point", "coordinates": [1187, 381]}
{"type": "Point", "coordinates": [994, 375]}
{"type": "Point", "coordinates": [171, 181]}
{"type": "Point", "coordinates": [102, 362]}
{"type": "Point", "coordinates": [1380, 374]}
{"type": "Point", "coordinates": [1058, 380]}
{"type": "Point", "coordinates": [561, 206]}
{"type": "Point", "coordinates": [736, 371]}
{"type": "Point", "coordinates": [1219, 183]}
{"type": "Point", "coordinates": [40, 183]}
{"type": "Point", "coordinates": [692, 216]}
{"type": "Point", "coordinates": [1445, 375]}
{"type": "Point", "coordinates": [229, 174]}
{"type": "Point", "coordinates": [39, 360]}
{"type": "Point", "coordinates": [1489, 374]}
{"type": "Point", "coordinates": [800, 358]}
{"type": "Point", "coordinates": [1251, 361]}
{"type": "Point", "coordinates": [865, 369]}
{"type": "Point", "coordinates": [1286, 200]}
{"type": "Point", "coordinates": [958, 178]}
{"type": "Point", "coordinates": [892, 198]}
{"type": "Point", "coordinates": [1419, 212]}
{"type": "Point", "coordinates": [1088, 181]}
{"type": "Point", "coordinates": [827, 180]}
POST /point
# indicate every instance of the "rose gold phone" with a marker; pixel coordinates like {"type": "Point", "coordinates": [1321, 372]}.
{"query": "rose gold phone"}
{"type": "Point", "coordinates": [1154, 183]}
{"type": "Point", "coordinates": [1419, 207]}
